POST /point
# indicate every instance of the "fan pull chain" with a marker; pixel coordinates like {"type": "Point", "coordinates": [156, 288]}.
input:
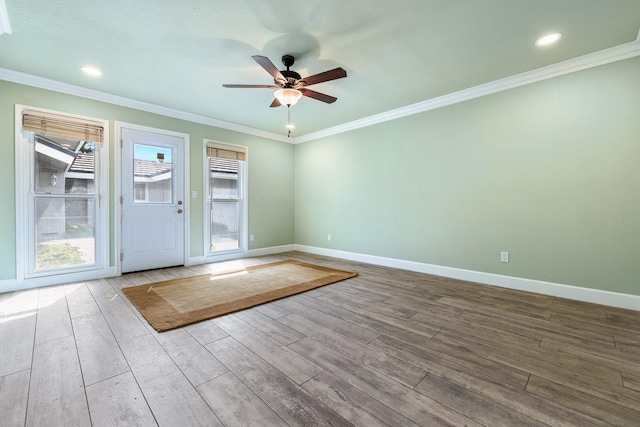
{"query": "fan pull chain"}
{"type": "Point", "coordinates": [289, 125]}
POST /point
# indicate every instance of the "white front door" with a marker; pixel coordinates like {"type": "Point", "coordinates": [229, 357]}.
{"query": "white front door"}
{"type": "Point", "coordinates": [153, 208]}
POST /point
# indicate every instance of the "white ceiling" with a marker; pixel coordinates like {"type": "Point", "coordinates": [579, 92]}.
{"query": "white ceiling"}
{"type": "Point", "coordinates": [178, 54]}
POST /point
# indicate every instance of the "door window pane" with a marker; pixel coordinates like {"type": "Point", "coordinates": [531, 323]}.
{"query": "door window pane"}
{"type": "Point", "coordinates": [152, 174]}
{"type": "Point", "coordinates": [64, 232]}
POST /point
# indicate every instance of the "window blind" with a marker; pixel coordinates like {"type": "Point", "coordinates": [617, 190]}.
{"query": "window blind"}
{"type": "Point", "coordinates": [65, 126]}
{"type": "Point", "coordinates": [224, 151]}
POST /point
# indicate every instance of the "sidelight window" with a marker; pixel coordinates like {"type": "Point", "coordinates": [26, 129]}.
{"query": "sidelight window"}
{"type": "Point", "coordinates": [226, 197]}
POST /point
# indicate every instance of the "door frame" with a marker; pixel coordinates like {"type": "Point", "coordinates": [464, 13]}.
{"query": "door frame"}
{"type": "Point", "coordinates": [118, 185]}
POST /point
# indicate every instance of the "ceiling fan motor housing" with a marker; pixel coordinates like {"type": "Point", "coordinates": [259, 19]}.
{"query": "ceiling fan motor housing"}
{"type": "Point", "coordinates": [291, 76]}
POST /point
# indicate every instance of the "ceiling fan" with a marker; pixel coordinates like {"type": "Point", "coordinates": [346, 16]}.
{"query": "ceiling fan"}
{"type": "Point", "coordinates": [291, 86]}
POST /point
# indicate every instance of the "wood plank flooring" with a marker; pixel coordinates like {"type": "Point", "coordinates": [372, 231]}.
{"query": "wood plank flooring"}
{"type": "Point", "coordinates": [386, 348]}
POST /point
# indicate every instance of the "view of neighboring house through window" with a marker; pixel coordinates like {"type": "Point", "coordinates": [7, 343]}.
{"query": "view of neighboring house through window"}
{"type": "Point", "coordinates": [64, 200]}
{"type": "Point", "coordinates": [226, 200]}
{"type": "Point", "coordinates": [152, 174]}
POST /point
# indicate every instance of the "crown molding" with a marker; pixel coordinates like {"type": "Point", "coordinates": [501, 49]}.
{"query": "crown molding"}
{"type": "Point", "coordinates": [602, 57]}
{"type": "Point", "coordinates": [5, 25]}
{"type": "Point", "coordinates": [69, 89]}
{"type": "Point", "coordinates": [605, 56]}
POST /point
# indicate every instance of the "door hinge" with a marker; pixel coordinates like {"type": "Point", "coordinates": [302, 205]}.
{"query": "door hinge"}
{"type": "Point", "coordinates": [120, 142]}
{"type": "Point", "coordinates": [121, 200]}
{"type": "Point", "coordinates": [121, 256]}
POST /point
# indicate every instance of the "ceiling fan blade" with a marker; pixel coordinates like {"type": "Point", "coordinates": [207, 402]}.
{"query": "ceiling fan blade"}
{"type": "Point", "coordinates": [252, 86]}
{"type": "Point", "coordinates": [319, 96]}
{"type": "Point", "coordinates": [336, 73]}
{"type": "Point", "coordinates": [275, 103]}
{"type": "Point", "coordinates": [266, 63]}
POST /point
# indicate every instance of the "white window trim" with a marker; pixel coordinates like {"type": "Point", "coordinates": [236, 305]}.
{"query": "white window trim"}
{"type": "Point", "coordinates": [243, 233]}
{"type": "Point", "coordinates": [101, 268]}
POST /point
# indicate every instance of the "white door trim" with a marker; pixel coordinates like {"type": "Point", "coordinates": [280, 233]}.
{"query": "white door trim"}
{"type": "Point", "coordinates": [118, 186]}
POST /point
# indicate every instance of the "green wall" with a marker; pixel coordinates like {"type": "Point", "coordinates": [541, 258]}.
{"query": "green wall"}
{"type": "Point", "coordinates": [270, 169]}
{"type": "Point", "coordinates": [549, 172]}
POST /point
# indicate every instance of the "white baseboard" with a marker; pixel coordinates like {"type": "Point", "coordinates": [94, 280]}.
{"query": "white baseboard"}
{"type": "Point", "coordinates": [238, 255]}
{"type": "Point", "coordinates": [597, 296]}
{"type": "Point", "coordinates": [8, 285]}
{"type": "Point", "coordinates": [272, 250]}
{"type": "Point", "coordinates": [11, 285]}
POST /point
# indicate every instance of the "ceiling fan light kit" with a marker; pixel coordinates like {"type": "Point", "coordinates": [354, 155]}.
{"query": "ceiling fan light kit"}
{"type": "Point", "coordinates": [288, 96]}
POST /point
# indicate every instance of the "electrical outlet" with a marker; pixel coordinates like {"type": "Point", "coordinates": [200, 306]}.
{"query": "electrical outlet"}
{"type": "Point", "coordinates": [194, 194]}
{"type": "Point", "coordinates": [252, 238]}
{"type": "Point", "coordinates": [504, 256]}
{"type": "Point", "coordinates": [328, 237]}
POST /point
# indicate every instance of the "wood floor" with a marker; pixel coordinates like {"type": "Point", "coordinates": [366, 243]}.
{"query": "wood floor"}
{"type": "Point", "coordinates": [388, 347]}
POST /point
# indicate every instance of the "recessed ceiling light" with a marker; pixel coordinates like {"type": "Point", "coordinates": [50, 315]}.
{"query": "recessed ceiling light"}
{"type": "Point", "coordinates": [92, 71]}
{"type": "Point", "coordinates": [548, 39]}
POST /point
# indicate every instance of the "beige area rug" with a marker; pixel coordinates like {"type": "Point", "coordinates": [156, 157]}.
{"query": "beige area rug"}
{"type": "Point", "coordinates": [178, 302]}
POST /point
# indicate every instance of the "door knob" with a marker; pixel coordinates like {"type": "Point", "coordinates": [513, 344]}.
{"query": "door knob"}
{"type": "Point", "coordinates": [179, 211]}
{"type": "Point", "coordinates": [179, 202]}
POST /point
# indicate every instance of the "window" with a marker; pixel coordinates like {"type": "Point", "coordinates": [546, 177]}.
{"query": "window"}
{"type": "Point", "coordinates": [152, 174]}
{"type": "Point", "coordinates": [64, 223]}
{"type": "Point", "coordinates": [226, 197]}
{"type": "Point", "coordinates": [140, 192]}
{"type": "Point", "coordinates": [59, 182]}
